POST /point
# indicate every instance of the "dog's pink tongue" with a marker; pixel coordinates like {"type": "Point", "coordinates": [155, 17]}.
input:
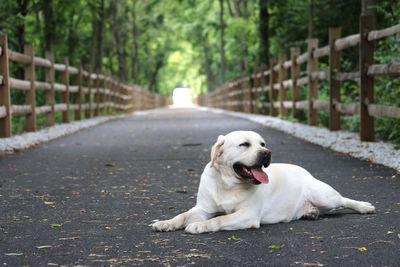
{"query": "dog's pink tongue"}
{"type": "Point", "coordinates": [260, 175]}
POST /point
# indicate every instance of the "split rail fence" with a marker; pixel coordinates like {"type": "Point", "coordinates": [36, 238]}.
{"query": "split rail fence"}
{"type": "Point", "coordinates": [90, 94]}
{"type": "Point", "coordinates": [243, 93]}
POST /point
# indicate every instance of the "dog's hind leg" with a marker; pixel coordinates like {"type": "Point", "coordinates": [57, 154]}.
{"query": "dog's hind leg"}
{"type": "Point", "coordinates": [325, 198]}
{"type": "Point", "coordinates": [359, 206]}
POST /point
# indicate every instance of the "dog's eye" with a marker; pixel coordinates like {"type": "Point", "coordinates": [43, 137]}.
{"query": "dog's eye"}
{"type": "Point", "coordinates": [245, 144]}
{"type": "Point", "coordinates": [263, 144]}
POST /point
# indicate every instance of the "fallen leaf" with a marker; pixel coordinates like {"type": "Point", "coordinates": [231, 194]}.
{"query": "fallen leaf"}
{"type": "Point", "coordinates": [54, 225]}
{"type": "Point", "coordinates": [398, 235]}
{"type": "Point", "coordinates": [316, 237]}
{"type": "Point", "coordinates": [45, 246]}
{"type": "Point", "coordinates": [183, 234]}
{"type": "Point", "coordinates": [398, 204]}
{"type": "Point", "coordinates": [69, 238]}
{"type": "Point", "coordinates": [13, 254]}
{"type": "Point", "coordinates": [171, 207]}
{"type": "Point", "coordinates": [235, 238]}
{"type": "Point", "coordinates": [75, 193]}
{"type": "Point", "coordinates": [49, 203]}
{"type": "Point", "coordinates": [310, 263]}
{"type": "Point", "coordinates": [359, 249]}
{"type": "Point", "coordinates": [277, 246]}
{"type": "Point", "coordinates": [193, 255]}
{"type": "Point", "coordinates": [107, 228]}
{"type": "Point", "coordinates": [181, 191]}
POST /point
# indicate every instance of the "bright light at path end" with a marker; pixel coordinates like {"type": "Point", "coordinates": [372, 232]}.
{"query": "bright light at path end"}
{"type": "Point", "coordinates": [182, 98]}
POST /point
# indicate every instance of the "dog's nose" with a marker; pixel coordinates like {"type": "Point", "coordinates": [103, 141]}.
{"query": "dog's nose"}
{"type": "Point", "coordinates": [266, 156]}
{"type": "Point", "coordinates": [266, 153]}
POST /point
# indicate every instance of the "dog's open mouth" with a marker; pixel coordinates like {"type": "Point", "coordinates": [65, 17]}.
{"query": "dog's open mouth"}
{"type": "Point", "coordinates": [253, 175]}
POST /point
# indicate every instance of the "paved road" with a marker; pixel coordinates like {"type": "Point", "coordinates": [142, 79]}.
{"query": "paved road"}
{"type": "Point", "coordinates": [88, 199]}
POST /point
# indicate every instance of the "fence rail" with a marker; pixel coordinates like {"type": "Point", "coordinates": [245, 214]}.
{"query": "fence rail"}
{"type": "Point", "coordinates": [90, 93]}
{"type": "Point", "coordinates": [244, 93]}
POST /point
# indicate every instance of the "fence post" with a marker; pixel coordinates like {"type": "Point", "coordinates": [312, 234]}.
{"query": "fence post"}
{"type": "Point", "coordinates": [96, 94]}
{"type": "Point", "coordinates": [88, 102]}
{"type": "Point", "coordinates": [366, 82]}
{"type": "Point", "coordinates": [295, 74]}
{"type": "Point", "coordinates": [119, 101]}
{"type": "Point", "coordinates": [110, 87]}
{"type": "Point", "coordinates": [263, 84]}
{"type": "Point", "coordinates": [272, 93]}
{"type": "Point", "coordinates": [65, 94]}
{"type": "Point", "coordinates": [282, 90]}
{"type": "Point", "coordinates": [254, 90]}
{"type": "Point", "coordinates": [247, 91]}
{"type": "Point", "coordinates": [78, 95]}
{"type": "Point", "coordinates": [29, 73]}
{"type": "Point", "coordinates": [238, 97]}
{"type": "Point", "coordinates": [334, 85]}
{"type": "Point", "coordinates": [5, 100]}
{"type": "Point", "coordinates": [50, 94]}
{"type": "Point", "coordinates": [103, 94]}
{"type": "Point", "coordinates": [312, 66]}
{"type": "Point", "coordinates": [136, 97]}
{"type": "Point", "coordinates": [109, 92]}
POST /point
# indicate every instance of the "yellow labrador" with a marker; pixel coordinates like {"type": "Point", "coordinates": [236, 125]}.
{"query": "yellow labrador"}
{"type": "Point", "coordinates": [241, 183]}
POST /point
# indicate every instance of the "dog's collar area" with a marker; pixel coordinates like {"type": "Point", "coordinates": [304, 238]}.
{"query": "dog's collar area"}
{"type": "Point", "coordinates": [253, 175]}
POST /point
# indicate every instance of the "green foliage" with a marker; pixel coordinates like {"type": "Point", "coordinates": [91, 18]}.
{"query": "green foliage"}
{"type": "Point", "coordinates": [178, 43]}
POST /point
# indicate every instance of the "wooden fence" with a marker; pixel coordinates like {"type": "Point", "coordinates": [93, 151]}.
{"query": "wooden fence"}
{"type": "Point", "coordinates": [91, 94]}
{"type": "Point", "coordinates": [243, 93]}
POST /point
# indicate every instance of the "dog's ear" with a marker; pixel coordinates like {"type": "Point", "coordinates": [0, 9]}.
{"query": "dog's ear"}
{"type": "Point", "coordinates": [216, 150]}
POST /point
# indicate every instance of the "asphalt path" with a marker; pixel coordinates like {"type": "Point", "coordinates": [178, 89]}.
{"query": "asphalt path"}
{"type": "Point", "coordinates": [88, 199]}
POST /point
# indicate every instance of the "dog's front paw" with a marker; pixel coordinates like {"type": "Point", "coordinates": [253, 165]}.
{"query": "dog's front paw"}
{"type": "Point", "coordinates": [196, 228]}
{"type": "Point", "coordinates": [366, 208]}
{"type": "Point", "coordinates": [163, 226]}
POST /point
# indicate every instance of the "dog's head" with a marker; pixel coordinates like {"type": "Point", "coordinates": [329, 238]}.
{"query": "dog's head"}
{"type": "Point", "coordinates": [241, 155]}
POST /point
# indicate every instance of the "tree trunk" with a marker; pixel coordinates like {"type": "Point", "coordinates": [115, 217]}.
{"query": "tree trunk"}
{"type": "Point", "coordinates": [263, 32]}
{"type": "Point", "coordinates": [207, 65]}
{"type": "Point", "coordinates": [221, 20]}
{"type": "Point", "coordinates": [93, 44]}
{"type": "Point", "coordinates": [153, 79]}
{"type": "Point", "coordinates": [310, 19]}
{"type": "Point", "coordinates": [243, 51]}
{"type": "Point", "coordinates": [99, 42]}
{"type": "Point", "coordinates": [96, 48]}
{"type": "Point", "coordinates": [117, 40]}
{"type": "Point", "coordinates": [22, 9]}
{"type": "Point", "coordinates": [49, 34]}
{"type": "Point", "coordinates": [37, 17]}
{"type": "Point", "coordinates": [135, 36]}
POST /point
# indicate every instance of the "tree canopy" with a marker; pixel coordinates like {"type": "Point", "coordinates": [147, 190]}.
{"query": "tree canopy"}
{"type": "Point", "coordinates": [165, 44]}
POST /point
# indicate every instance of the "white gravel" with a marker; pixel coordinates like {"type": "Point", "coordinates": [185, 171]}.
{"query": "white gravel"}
{"type": "Point", "coordinates": [341, 141]}
{"type": "Point", "coordinates": [29, 139]}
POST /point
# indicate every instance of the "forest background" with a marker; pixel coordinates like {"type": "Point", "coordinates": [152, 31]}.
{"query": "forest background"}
{"type": "Point", "coordinates": [163, 44]}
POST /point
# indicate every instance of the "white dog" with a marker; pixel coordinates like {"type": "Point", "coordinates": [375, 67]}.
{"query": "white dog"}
{"type": "Point", "coordinates": [240, 183]}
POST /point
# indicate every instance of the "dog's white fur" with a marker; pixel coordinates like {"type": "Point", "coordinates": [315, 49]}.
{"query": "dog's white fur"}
{"type": "Point", "coordinates": [291, 193]}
